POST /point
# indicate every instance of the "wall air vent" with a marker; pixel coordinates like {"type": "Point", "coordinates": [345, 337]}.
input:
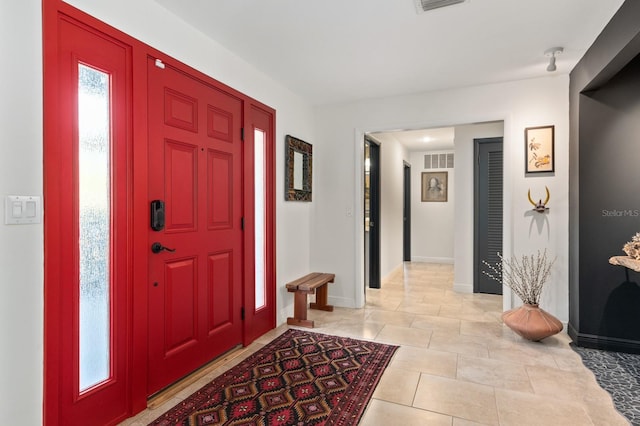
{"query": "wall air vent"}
{"type": "Point", "coordinates": [438, 161]}
{"type": "Point", "coordinates": [425, 5]}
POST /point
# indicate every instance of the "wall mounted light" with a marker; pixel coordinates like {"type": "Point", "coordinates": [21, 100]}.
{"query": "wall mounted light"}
{"type": "Point", "coordinates": [552, 53]}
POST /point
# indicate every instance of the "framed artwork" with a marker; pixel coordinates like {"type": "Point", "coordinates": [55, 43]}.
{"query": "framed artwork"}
{"type": "Point", "coordinates": [298, 169]}
{"type": "Point", "coordinates": [539, 149]}
{"type": "Point", "coordinates": [435, 186]}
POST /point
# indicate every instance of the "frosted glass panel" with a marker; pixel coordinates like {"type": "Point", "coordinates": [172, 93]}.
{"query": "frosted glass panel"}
{"type": "Point", "coordinates": [259, 139]}
{"type": "Point", "coordinates": [94, 224]}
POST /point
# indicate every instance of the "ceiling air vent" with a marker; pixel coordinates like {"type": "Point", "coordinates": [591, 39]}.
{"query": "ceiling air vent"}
{"type": "Point", "coordinates": [425, 5]}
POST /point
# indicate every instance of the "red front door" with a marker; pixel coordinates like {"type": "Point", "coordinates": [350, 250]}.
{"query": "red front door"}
{"type": "Point", "coordinates": [195, 169]}
{"type": "Point", "coordinates": [122, 322]}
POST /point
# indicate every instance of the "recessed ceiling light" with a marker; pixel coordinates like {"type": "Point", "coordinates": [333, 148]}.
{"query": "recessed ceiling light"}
{"type": "Point", "coordinates": [426, 139]}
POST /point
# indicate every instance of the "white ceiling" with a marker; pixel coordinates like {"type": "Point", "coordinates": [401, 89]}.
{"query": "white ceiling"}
{"type": "Point", "coordinates": [333, 51]}
{"type": "Point", "coordinates": [440, 139]}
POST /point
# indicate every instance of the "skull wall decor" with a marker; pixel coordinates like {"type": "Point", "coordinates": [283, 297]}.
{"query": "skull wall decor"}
{"type": "Point", "coordinates": [540, 206]}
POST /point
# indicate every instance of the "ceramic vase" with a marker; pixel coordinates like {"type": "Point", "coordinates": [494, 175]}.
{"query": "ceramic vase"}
{"type": "Point", "coordinates": [532, 322]}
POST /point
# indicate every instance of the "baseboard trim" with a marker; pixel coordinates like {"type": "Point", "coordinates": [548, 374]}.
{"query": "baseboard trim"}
{"type": "Point", "coordinates": [284, 314]}
{"type": "Point", "coordinates": [342, 302]}
{"type": "Point", "coordinates": [421, 259]}
{"type": "Point", "coordinates": [462, 288]}
{"type": "Point", "coordinates": [603, 342]}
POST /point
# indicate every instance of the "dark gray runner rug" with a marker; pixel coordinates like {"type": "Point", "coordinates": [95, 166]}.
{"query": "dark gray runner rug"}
{"type": "Point", "coordinates": [619, 374]}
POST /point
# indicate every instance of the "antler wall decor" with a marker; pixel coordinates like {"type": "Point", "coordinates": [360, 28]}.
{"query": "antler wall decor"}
{"type": "Point", "coordinates": [540, 207]}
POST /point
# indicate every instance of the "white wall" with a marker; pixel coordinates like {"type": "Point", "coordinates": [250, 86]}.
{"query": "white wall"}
{"type": "Point", "coordinates": [334, 176]}
{"type": "Point", "coordinates": [21, 246]}
{"type": "Point", "coordinates": [432, 224]}
{"type": "Point", "coordinates": [337, 238]}
{"type": "Point", "coordinates": [392, 157]}
{"type": "Point", "coordinates": [464, 230]}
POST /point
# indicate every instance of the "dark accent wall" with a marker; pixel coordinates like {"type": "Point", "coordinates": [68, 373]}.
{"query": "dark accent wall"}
{"type": "Point", "coordinates": [604, 199]}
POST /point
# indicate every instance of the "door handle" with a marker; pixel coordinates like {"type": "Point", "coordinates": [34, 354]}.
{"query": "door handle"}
{"type": "Point", "coordinates": [157, 248]}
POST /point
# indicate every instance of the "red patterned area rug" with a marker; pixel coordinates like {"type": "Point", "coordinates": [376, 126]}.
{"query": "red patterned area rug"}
{"type": "Point", "coordinates": [300, 378]}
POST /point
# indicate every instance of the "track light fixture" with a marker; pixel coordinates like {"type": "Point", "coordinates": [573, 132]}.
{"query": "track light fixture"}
{"type": "Point", "coordinates": [552, 53]}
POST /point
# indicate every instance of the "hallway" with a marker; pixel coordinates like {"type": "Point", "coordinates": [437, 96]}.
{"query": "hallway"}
{"type": "Point", "coordinates": [457, 364]}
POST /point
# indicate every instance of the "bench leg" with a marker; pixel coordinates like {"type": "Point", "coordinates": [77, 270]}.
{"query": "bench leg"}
{"type": "Point", "coordinates": [300, 311]}
{"type": "Point", "coordinates": [321, 299]}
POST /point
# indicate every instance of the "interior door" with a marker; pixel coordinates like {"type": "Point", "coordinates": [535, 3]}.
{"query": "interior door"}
{"type": "Point", "coordinates": [87, 200]}
{"type": "Point", "coordinates": [374, 215]}
{"type": "Point", "coordinates": [406, 213]}
{"type": "Point", "coordinates": [488, 211]}
{"type": "Point", "coordinates": [195, 268]}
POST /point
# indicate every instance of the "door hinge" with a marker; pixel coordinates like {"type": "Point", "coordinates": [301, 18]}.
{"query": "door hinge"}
{"type": "Point", "coordinates": [242, 133]}
{"type": "Point", "coordinates": [242, 313]}
{"type": "Point", "coordinates": [242, 223]}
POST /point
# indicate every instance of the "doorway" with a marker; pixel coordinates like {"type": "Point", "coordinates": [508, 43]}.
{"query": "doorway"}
{"type": "Point", "coordinates": [488, 182]}
{"type": "Point", "coordinates": [372, 214]}
{"type": "Point", "coordinates": [406, 213]}
{"type": "Point", "coordinates": [117, 306]}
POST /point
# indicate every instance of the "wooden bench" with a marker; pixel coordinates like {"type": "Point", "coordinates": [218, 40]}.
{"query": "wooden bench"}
{"type": "Point", "coordinates": [308, 285]}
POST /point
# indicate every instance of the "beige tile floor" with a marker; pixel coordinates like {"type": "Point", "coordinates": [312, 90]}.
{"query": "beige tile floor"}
{"type": "Point", "coordinates": [457, 364]}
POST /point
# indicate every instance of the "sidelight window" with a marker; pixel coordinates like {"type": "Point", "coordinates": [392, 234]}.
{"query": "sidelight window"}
{"type": "Point", "coordinates": [94, 211]}
{"type": "Point", "coordinates": [260, 209]}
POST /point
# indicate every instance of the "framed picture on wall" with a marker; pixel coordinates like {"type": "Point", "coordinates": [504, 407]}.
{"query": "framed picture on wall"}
{"type": "Point", "coordinates": [298, 169]}
{"type": "Point", "coordinates": [539, 149]}
{"type": "Point", "coordinates": [435, 186]}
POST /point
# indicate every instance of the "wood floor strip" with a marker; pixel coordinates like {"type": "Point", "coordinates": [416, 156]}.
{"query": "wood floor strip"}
{"type": "Point", "coordinates": [170, 391]}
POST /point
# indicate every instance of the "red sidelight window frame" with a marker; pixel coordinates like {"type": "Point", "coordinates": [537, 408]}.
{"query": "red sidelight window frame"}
{"type": "Point", "coordinates": [64, 402]}
{"type": "Point", "coordinates": [259, 321]}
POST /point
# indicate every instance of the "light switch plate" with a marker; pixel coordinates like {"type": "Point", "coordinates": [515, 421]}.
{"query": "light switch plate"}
{"type": "Point", "coordinates": [22, 209]}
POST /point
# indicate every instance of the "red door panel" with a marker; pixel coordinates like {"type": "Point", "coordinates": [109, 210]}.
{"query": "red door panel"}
{"type": "Point", "coordinates": [195, 166]}
{"type": "Point", "coordinates": [220, 124]}
{"type": "Point", "coordinates": [180, 186]}
{"type": "Point", "coordinates": [220, 291]}
{"type": "Point", "coordinates": [180, 305]}
{"type": "Point", "coordinates": [220, 190]}
{"type": "Point", "coordinates": [180, 111]}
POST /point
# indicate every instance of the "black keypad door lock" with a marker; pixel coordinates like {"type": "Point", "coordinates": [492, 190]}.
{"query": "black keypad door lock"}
{"type": "Point", "coordinates": [157, 215]}
{"type": "Point", "coordinates": [157, 248]}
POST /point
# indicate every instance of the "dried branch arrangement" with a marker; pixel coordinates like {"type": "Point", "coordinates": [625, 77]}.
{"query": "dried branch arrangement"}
{"type": "Point", "coordinates": [632, 248]}
{"type": "Point", "coordinates": [526, 276]}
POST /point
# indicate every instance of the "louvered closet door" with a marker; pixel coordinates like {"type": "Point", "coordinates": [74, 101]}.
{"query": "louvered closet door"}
{"type": "Point", "coordinates": [489, 177]}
